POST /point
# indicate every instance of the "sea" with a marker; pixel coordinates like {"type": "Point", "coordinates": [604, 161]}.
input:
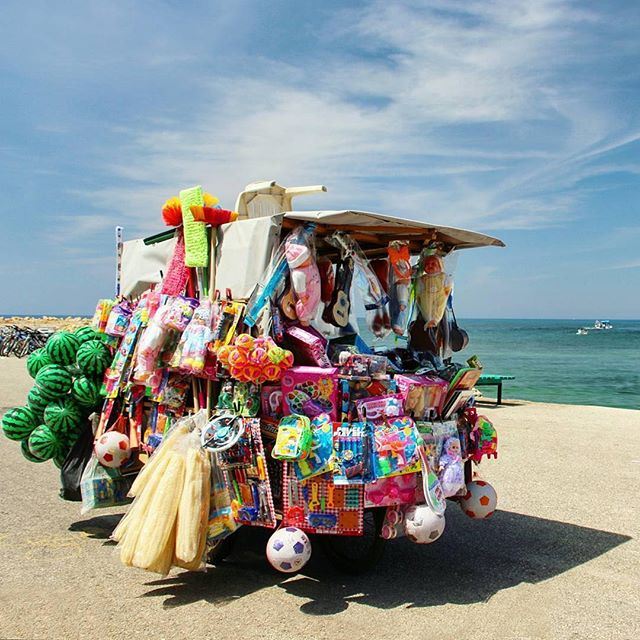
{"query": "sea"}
{"type": "Point", "coordinates": [551, 363]}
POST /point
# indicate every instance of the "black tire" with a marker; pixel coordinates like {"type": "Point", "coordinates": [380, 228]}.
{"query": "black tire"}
{"type": "Point", "coordinates": [357, 554]}
{"type": "Point", "coordinates": [222, 549]}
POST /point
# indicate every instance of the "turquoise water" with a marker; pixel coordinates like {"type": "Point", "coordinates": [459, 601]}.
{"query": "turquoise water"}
{"type": "Point", "coordinates": [553, 364]}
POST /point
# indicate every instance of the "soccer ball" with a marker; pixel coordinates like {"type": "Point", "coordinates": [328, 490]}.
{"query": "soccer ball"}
{"type": "Point", "coordinates": [288, 549]}
{"type": "Point", "coordinates": [480, 501]}
{"type": "Point", "coordinates": [422, 524]}
{"type": "Point", "coordinates": [112, 449]}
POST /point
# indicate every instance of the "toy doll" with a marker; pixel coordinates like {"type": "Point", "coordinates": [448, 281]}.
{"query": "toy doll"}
{"type": "Point", "coordinates": [451, 469]}
{"type": "Point", "coordinates": [305, 277]}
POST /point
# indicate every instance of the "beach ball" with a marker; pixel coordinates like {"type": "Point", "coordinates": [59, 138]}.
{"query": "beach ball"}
{"type": "Point", "coordinates": [480, 501]}
{"type": "Point", "coordinates": [36, 360]}
{"type": "Point", "coordinates": [422, 524]}
{"type": "Point", "coordinates": [288, 549]}
{"type": "Point", "coordinates": [112, 449]}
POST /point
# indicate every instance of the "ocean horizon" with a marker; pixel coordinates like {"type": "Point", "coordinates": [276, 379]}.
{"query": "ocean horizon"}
{"type": "Point", "coordinates": [550, 362]}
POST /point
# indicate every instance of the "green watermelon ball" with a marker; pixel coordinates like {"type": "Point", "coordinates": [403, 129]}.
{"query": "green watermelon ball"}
{"type": "Point", "coordinates": [62, 347]}
{"type": "Point", "coordinates": [93, 358]}
{"type": "Point", "coordinates": [54, 381]}
{"type": "Point", "coordinates": [37, 402]}
{"type": "Point", "coordinates": [43, 443]}
{"type": "Point", "coordinates": [63, 416]}
{"type": "Point", "coordinates": [84, 334]}
{"type": "Point", "coordinates": [18, 423]}
{"type": "Point", "coordinates": [36, 360]}
{"type": "Point", "coordinates": [86, 392]}
{"type": "Point", "coordinates": [24, 447]}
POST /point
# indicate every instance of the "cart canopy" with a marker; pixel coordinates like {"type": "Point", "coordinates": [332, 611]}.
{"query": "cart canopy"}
{"type": "Point", "coordinates": [246, 246]}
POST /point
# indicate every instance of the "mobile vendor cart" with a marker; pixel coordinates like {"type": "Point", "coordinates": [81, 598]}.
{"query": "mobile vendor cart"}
{"type": "Point", "coordinates": [253, 381]}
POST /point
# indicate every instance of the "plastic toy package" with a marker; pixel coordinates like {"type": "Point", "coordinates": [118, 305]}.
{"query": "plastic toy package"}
{"type": "Point", "coordinates": [319, 506]}
{"type": "Point", "coordinates": [247, 479]}
{"type": "Point", "coordinates": [311, 391]}
{"type": "Point", "coordinates": [374, 296]}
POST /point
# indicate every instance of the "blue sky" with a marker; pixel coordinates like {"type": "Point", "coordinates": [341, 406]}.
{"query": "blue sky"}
{"type": "Point", "coordinates": [516, 118]}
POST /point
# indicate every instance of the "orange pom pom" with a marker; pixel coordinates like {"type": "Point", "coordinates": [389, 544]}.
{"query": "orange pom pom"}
{"type": "Point", "coordinates": [259, 357]}
{"type": "Point", "coordinates": [287, 361]}
{"type": "Point", "coordinates": [172, 212]}
{"type": "Point", "coordinates": [252, 372]}
{"type": "Point", "coordinates": [244, 341]}
{"type": "Point", "coordinates": [238, 358]}
{"type": "Point", "coordinates": [272, 372]}
{"type": "Point", "coordinates": [238, 373]}
{"type": "Point", "coordinates": [223, 354]}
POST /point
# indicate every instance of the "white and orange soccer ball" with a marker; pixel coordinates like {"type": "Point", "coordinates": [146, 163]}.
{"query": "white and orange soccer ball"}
{"type": "Point", "coordinates": [112, 449]}
{"type": "Point", "coordinates": [480, 501]}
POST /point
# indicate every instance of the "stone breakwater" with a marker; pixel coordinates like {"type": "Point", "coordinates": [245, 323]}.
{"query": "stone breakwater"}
{"type": "Point", "coordinates": [68, 323]}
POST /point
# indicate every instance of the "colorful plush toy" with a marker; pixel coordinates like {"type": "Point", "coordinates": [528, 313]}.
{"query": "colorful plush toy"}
{"type": "Point", "coordinates": [484, 438]}
{"type": "Point", "coordinates": [255, 359]}
{"type": "Point", "coordinates": [305, 277]}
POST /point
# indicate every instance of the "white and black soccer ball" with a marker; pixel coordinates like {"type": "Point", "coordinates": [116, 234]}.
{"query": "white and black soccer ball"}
{"type": "Point", "coordinates": [288, 549]}
{"type": "Point", "coordinates": [422, 524]}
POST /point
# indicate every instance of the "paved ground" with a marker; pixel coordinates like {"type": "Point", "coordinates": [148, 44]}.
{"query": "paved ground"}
{"type": "Point", "coordinates": [560, 559]}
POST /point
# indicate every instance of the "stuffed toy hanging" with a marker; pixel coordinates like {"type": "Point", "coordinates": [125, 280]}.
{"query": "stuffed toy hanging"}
{"type": "Point", "coordinates": [432, 287]}
{"type": "Point", "coordinates": [399, 284]}
{"type": "Point", "coordinates": [305, 277]}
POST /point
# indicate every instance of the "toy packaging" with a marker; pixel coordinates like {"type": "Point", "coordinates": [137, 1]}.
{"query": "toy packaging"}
{"type": "Point", "coordinates": [294, 438]}
{"type": "Point", "coordinates": [311, 391]}
{"type": "Point", "coordinates": [225, 400]}
{"type": "Point", "coordinates": [321, 458]}
{"type": "Point", "coordinates": [319, 506]}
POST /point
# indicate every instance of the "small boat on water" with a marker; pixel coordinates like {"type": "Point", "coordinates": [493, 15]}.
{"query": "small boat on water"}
{"type": "Point", "coordinates": [600, 325]}
{"type": "Point", "coordinates": [582, 332]}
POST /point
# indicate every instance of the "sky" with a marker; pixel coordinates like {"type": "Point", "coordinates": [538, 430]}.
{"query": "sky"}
{"type": "Point", "coordinates": [516, 118]}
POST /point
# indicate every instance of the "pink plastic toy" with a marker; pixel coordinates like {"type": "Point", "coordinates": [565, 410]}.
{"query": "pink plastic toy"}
{"type": "Point", "coordinates": [421, 393]}
{"type": "Point", "coordinates": [308, 345]}
{"type": "Point", "coordinates": [379, 408]}
{"type": "Point", "coordinates": [305, 277]}
{"type": "Point", "coordinates": [388, 491]}
{"type": "Point", "coordinates": [151, 342]}
{"type": "Point", "coordinates": [311, 391]}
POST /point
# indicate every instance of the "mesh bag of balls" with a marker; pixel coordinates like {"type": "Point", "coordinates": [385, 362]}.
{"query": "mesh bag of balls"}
{"type": "Point", "coordinates": [67, 375]}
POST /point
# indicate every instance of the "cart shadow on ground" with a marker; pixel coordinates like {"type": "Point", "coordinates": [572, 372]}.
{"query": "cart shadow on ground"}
{"type": "Point", "coordinates": [471, 562]}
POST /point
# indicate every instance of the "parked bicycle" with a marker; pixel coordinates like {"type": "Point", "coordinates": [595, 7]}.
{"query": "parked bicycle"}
{"type": "Point", "coordinates": [21, 341]}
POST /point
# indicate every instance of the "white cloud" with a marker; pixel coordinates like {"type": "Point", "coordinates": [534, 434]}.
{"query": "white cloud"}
{"type": "Point", "coordinates": [469, 113]}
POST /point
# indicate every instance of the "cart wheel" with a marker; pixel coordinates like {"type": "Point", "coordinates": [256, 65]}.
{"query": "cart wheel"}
{"type": "Point", "coordinates": [221, 549]}
{"type": "Point", "coordinates": [357, 554]}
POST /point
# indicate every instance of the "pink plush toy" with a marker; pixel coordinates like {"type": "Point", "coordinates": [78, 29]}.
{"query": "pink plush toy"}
{"type": "Point", "coordinates": [305, 277]}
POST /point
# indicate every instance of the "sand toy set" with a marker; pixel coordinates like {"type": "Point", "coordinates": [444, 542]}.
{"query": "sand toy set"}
{"type": "Point", "coordinates": [268, 367]}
